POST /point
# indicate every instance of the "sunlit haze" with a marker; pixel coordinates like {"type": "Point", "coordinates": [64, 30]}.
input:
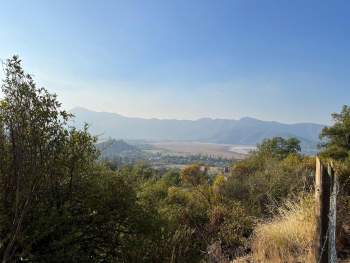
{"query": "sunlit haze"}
{"type": "Point", "coordinates": [286, 61]}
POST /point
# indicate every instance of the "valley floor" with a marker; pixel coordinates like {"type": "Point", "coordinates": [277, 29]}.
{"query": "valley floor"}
{"type": "Point", "coordinates": [229, 151]}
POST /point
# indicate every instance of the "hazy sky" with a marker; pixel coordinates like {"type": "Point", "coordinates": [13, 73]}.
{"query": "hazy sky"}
{"type": "Point", "coordinates": [275, 60]}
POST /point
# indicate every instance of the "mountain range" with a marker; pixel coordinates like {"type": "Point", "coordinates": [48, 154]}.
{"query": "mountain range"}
{"type": "Point", "coordinates": [245, 131]}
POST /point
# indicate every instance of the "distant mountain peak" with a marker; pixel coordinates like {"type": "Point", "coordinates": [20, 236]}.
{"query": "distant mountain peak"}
{"type": "Point", "coordinates": [83, 110]}
{"type": "Point", "coordinates": [250, 119]}
{"type": "Point", "coordinates": [80, 109]}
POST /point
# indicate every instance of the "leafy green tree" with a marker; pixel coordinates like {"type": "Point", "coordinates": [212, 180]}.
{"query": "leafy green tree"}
{"type": "Point", "coordinates": [336, 146]}
{"type": "Point", "coordinates": [279, 147]}
{"type": "Point", "coordinates": [32, 135]}
{"type": "Point", "coordinates": [337, 137]}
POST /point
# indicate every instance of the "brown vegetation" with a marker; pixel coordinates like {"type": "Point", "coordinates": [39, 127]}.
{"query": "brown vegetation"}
{"type": "Point", "coordinates": [288, 237]}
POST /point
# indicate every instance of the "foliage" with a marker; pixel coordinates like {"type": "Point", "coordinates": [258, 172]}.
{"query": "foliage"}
{"type": "Point", "coordinates": [195, 211]}
{"type": "Point", "coordinates": [32, 139]}
{"type": "Point", "coordinates": [262, 181]}
{"type": "Point", "coordinates": [57, 203]}
{"type": "Point", "coordinates": [337, 136]}
{"type": "Point", "coordinates": [336, 146]}
{"type": "Point", "coordinates": [279, 147]}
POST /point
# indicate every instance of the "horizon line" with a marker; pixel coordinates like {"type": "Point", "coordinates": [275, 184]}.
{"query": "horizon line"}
{"type": "Point", "coordinates": [196, 119]}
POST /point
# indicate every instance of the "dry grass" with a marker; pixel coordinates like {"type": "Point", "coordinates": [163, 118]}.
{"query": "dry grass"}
{"type": "Point", "coordinates": [289, 236]}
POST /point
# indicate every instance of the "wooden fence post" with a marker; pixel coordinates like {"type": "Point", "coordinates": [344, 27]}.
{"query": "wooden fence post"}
{"type": "Point", "coordinates": [332, 251]}
{"type": "Point", "coordinates": [322, 198]}
{"type": "Point", "coordinates": [325, 212]}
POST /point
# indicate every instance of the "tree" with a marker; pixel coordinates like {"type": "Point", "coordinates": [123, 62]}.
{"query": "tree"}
{"type": "Point", "coordinates": [279, 147]}
{"type": "Point", "coordinates": [32, 131]}
{"type": "Point", "coordinates": [336, 146]}
{"type": "Point", "coordinates": [40, 159]}
{"type": "Point", "coordinates": [336, 138]}
{"type": "Point", "coordinates": [195, 175]}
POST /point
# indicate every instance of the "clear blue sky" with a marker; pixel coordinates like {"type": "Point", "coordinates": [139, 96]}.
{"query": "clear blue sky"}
{"type": "Point", "coordinates": [275, 60]}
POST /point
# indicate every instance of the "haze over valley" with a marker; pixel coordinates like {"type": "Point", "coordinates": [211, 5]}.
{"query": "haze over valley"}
{"type": "Point", "coordinates": [221, 137]}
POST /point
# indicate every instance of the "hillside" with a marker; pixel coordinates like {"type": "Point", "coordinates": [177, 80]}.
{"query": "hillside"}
{"type": "Point", "coordinates": [112, 148]}
{"type": "Point", "coordinates": [245, 131]}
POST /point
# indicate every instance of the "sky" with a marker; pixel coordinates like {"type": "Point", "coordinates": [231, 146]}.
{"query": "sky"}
{"type": "Point", "coordinates": [280, 60]}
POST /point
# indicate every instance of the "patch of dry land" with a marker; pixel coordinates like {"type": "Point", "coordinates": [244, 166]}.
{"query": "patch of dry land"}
{"type": "Point", "coordinates": [228, 151]}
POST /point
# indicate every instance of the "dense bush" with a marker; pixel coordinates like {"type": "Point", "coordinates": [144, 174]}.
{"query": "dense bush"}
{"type": "Point", "coordinates": [264, 180]}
